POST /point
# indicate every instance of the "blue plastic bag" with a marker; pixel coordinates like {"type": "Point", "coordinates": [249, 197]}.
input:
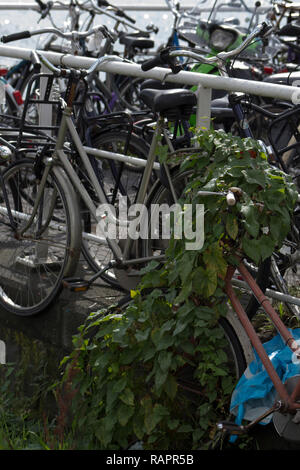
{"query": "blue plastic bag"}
{"type": "Point", "coordinates": [255, 392]}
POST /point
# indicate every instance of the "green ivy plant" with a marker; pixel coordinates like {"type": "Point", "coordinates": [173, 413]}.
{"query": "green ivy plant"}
{"type": "Point", "coordinates": [157, 371]}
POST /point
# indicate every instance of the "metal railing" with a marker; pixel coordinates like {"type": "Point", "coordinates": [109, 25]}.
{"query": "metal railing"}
{"type": "Point", "coordinates": [204, 82]}
{"type": "Point", "coordinates": [151, 6]}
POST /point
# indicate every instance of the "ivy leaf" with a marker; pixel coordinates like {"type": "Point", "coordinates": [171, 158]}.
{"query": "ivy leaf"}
{"type": "Point", "coordinates": [251, 249]}
{"type": "Point", "coordinates": [266, 247]}
{"type": "Point", "coordinates": [255, 177]}
{"type": "Point", "coordinates": [127, 397]}
{"type": "Point", "coordinates": [114, 388]}
{"type": "Point", "coordinates": [185, 266]}
{"type": "Point", "coordinates": [160, 378]}
{"type": "Point", "coordinates": [184, 293]}
{"type": "Point", "coordinates": [170, 386]}
{"type": "Point", "coordinates": [164, 360]}
{"type": "Point", "coordinates": [142, 335]}
{"type": "Point", "coordinates": [205, 281]}
{"type": "Point", "coordinates": [232, 227]}
{"type": "Point", "coordinates": [181, 325]}
{"type": "Point", "coordinates": [105, 429]}
{"type": "Point", "coordinates": [162, 153]}
{"type": "Point", "coordinates": [161, 341]}
{"type": "Point", "coordinates": [214, 260]}
{"type": "Point", "coordinates": [251, 222]}
{"type": "Point", "coordinates": [124, 413]}
{"type": "Point", "coordinates": [158, 412]}
{"type": "Point", "coordinates": [185, 428]}
{"type": "Point", "coordinates": [138, 426]}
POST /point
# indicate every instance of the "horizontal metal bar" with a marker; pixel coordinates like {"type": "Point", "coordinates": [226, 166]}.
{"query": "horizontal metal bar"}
{"type": "Point", "coordinates": [283, 92]}
{"type": "Point", "coordinates": [269, 292]}
{"type": "Point", "coordinates": [159, 6]}
{"type": "Point", "coordinates": [119, 157]}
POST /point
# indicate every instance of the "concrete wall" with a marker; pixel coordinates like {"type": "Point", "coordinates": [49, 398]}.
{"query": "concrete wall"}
{"type": "Point", "coordinates": [51, 331]}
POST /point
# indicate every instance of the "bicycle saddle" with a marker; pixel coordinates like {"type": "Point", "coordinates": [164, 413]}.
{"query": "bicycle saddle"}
{"type": "Point", "coordinates": [290, 29]}
{"type": "Point", "coordinates": [220, 102]}
{"type": "Point", "coordinates": [158, 85]}
{"type": "Point", "coordinates": [140, 43]}
{"type": "Point", "coordinates": [220, 108]}
{"type": "Point", "coordinates": [174, 104]}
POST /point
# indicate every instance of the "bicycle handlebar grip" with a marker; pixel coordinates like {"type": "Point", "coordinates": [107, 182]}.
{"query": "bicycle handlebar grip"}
{"type": "Point", "coordinates": [16, 36]}
{"type": "Point", "coordinates": [41, 4]}
{"type": "Point", "coordinates": [103, 3]}
{"type": "Point", "coordinates": [151, 63]}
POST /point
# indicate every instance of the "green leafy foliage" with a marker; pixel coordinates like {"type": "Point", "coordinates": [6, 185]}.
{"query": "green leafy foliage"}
{"type": "Point", "coordinates": [159, 371]}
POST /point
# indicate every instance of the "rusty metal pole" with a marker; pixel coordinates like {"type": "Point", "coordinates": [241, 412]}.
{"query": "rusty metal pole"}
{"type": "Point", "coordinates": [265, 303]}
{"type": "Point", "coordinates": [279, 386]}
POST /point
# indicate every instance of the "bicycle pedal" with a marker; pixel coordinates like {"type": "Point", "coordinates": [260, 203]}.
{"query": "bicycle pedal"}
{"type": "Point", "coordinates": [76, 284]}
{"type": "Point", "coordinates": [232, 428]}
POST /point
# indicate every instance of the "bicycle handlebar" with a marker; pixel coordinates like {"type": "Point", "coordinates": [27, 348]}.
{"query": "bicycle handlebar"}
{"type": "Point", "coordinates": [69, 35]}
{"type": "Point", "coordinates": [163, 58]}
{"type": "Point", "coordinates": [16, 36]}
{"type": "Point", "coordinates": [118, 11]}
{"type": "Point", "coordinates": [166, 55]}
{"type": "Point", "coordinates": [41, 59]}
{"type": "Point", "coordinates": [41, 4]}
{"type": "Point", "coordinates": [44, 7]}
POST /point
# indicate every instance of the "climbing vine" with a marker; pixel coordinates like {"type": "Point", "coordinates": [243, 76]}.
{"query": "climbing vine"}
{"type": "Point", "coordinates": [157, 371]}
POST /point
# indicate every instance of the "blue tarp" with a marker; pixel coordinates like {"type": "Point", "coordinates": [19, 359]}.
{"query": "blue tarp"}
{"type": "Point", "coordinates": [255, 392]}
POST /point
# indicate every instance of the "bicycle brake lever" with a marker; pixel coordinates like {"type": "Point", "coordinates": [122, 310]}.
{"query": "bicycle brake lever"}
{"type": "Point", "coordinates": [170, 61]}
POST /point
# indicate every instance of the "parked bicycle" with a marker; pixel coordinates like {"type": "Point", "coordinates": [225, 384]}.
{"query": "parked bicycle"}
{"type": "Point", "coordinates": [125, 260]}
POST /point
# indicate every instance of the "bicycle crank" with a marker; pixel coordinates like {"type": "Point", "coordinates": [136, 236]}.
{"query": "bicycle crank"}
{"type": "Point", "coordinates": [233, 428]}
{"type": "Point", "coordinates": [77, 284]}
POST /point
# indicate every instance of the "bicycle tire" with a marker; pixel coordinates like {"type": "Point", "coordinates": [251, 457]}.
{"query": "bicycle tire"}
{"type": "Point", "coordinates": [293, 167]}
{"type": "Point", "coordinates": [239, 360]}
{"type": "Point", "coordinates": [189, 389]}
{"type": "Point", "coordinates": [34, 264]}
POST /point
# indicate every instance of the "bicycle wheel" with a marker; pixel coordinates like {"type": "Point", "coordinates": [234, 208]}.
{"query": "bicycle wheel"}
{"type": "Point", "coordinates": [155, 247]}
{"type": "Point", "coordinates": [190, 392]}
{"type": "Point", "coordinates": [118, 180]}
{"type": "Point", "coordinates": [293, 167]}
{"type": "Point", "coordinates": [160, 195]}
{"type": "Point", "coordinates": [33, 264]}
{"type": "Point", "coordinates": [236, 352]}
{"type": "Point", "coordinates": [129, 94]}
